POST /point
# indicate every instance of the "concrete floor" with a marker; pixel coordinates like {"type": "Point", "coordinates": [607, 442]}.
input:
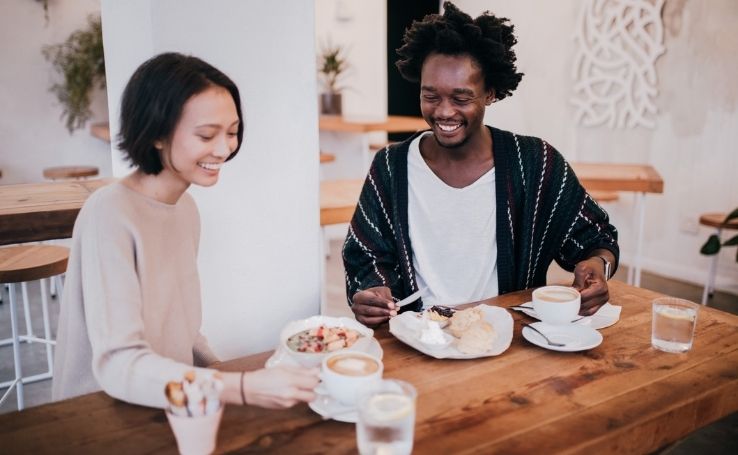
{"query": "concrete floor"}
{"type": "Point", "coordinates": [719, 438]}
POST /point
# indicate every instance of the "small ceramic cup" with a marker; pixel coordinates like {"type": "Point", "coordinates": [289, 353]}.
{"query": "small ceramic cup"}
{"type": "Point", "coordinates": [556, 304]}
{"type": "Point", "coordinates": [347, 372]}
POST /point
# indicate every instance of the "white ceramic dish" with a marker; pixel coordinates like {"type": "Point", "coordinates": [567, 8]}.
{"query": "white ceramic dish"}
{"type": "Point", "coordinates": [282, 357]}
{"type": "Point", "coordinates": [405, 327]}
{"type": "Point", "coordinates": [606, 316]}
{"type": "Point", "coordinates": [575, 337]}
{"type": "Point", "coordinates": [330, 408]}
{"type": "Point", "coordinates": [308, 359]}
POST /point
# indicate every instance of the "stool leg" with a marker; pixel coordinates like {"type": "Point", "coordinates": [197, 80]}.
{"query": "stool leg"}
{"type": "Point", "coordinates": [16, 349]}
{"type": "Point", "coordinates": [59, 285]}
{"type": "Point", "coordinates": [710, 281]}
{"type": "Point", "coordinates": [27, 310]}
{"type": "Point", "coordinates": [47, 325]}
{"type": "Point", "coordinates": [52, 288]}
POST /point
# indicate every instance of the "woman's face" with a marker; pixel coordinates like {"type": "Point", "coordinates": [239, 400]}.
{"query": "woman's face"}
{"type": "Point", "coordinates": [204, 138]}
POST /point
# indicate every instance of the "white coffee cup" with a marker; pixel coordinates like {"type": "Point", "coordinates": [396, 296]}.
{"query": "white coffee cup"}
{"type": "Point", "coordinates": [556, 304]}
{"type": "Point", "coordinates": [346, 373]}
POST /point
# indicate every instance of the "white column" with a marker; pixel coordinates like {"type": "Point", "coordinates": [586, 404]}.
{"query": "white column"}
{"type": "Point", "coordinates": [260, 223]}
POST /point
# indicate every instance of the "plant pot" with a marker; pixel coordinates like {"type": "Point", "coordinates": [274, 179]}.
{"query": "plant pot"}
{"type": "Point", "coordinates": [330, 103]}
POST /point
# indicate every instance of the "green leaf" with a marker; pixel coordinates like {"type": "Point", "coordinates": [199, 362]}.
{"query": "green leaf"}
{"type": "Point", "coordinates": [80, 64]}
{"type": "Point", "coordinates": [712, 246]}
{"type": "Point", "coordinates": [732, 215]}
{"type": "Point", "coordinates": [731, 242]}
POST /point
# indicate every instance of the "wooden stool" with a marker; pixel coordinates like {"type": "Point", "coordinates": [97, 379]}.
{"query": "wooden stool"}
{"type": "Point", "coordinates": [715, 220]}
{"type": "Point", "coordinates": [604, 196]}
{"type": "Point", "coordinates": [327, 157]}
{"type": "Point", "coordinates": [338, 199]}
{"type": "Point", "coordinates": [20, 264]}
{"type": "Point", "coordinates": [377, 147]}
{"type": "Point", "coordinates": [70, 172]}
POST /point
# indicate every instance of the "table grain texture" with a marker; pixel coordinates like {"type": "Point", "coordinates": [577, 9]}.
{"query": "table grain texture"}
{"type": "Point", "coordinates": [621, 397]}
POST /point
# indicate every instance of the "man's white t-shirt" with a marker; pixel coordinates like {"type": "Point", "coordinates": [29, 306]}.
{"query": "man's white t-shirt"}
{"type": "Point", "coordinates": [453, 234]}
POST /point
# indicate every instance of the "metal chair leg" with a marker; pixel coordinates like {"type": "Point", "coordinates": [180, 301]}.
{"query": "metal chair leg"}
{"type": "Point", "coordinates": [18, 384]}
{"type": "Point", "coordinates": [710, 281]}
{"type": "Point", "coordinates": [27, 310]}
{"type": "Point", "coordinates": [47, 326]}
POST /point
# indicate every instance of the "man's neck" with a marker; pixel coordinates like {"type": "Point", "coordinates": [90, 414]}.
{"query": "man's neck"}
{"type": "Point", "coordinates": [463, 165]}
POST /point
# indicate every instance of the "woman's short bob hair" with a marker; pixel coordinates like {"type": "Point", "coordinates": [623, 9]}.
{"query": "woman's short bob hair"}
{"type": "Point", "coordinates": [154, 99]}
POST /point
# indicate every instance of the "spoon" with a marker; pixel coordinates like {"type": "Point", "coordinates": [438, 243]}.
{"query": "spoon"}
{"type": "Point", "coordinates": [551, 343]}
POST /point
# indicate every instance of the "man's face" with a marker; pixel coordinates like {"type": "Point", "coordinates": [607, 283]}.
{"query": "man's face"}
{"type": "Point", "coordinates": [453, 98]}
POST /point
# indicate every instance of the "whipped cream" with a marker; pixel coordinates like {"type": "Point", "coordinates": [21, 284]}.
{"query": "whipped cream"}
{"type": "Point", "coordinates": [431, 333]}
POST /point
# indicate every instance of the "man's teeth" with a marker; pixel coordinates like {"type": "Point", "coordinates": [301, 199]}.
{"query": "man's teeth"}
{"type": "Point", "coordinates": [210, 166]}
{"type": "Point", "coordinates": [449, 128]}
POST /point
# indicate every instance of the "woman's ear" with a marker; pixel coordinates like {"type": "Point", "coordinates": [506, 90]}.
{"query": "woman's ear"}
{"type": "Point", "coordinates": [159, 145]}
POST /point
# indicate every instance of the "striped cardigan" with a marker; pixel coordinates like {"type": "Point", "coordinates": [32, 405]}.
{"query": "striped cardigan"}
{"type": "Point", "coordinates": [543, 214]}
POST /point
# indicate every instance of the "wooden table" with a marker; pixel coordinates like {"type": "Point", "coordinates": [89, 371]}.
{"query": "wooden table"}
{"type": "Point", "coordinates": [42, 211]}
{"type": "Point", "coordinates": [621, 397]}
{"type": "Point", "coordinates": [390, 124]}
{"type": "Point", "coordinates": [637, 178]}
{"type": "Point", "coordinates": [363, 126]}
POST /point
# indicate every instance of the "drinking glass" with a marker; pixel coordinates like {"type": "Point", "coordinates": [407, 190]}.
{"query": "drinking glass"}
{"type": "Point", "coordinates": [673, 324]}
{"type": "Point", "coordinates": [386, 422]}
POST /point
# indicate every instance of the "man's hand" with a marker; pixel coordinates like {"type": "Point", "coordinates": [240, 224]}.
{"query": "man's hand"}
{"type": "Point", "coordinates": [589, 280]}
{"type": "Point", "coordinates": [373, 306]}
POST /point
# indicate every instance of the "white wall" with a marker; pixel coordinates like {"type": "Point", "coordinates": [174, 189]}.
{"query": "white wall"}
{"type": "Point", "coordinates": [33, 135]}
{"type": "Point", "coordinates": [361, 28]}
{"type": "Point", "coordinates": [259, 246]}
{"type": "Point", "coordinates": [693, 145]}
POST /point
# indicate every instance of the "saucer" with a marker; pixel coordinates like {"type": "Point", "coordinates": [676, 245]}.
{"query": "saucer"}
{"type": "Point", "coordinates": [283, 358]}
{"type": "Point", "coordinates": [606, 316]}
{"type": "Point", "coordinates": [330, 408]}
{"type": "Point", "coordinates": [575, 337]}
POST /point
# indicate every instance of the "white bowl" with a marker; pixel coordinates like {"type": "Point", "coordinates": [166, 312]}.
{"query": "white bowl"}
{"type": "Point", "coordinates": [314, 359]}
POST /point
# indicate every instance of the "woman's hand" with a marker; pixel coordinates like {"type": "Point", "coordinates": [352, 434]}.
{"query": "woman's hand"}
{"type": "Point", "coordinates": [280, 387]}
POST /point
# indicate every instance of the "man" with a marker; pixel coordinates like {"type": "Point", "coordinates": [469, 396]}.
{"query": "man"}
{"type": "Point", "coordinates": [466, 210]}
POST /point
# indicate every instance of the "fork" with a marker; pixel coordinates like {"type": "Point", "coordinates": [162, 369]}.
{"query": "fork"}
{"type": "Point", "coordinates": [551, 343]}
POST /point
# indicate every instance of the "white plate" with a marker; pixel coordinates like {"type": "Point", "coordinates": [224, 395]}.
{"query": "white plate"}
{"type": "Point", "coordinates": [280, 357]}
{"type": "Point", "coordinates": [405, 327]}
{"type": "Point", "coordinates": [330, 408]}
{"type": "Point", "coordinates": [575, 337]}
{"type": "Point", "coordinates": [606, 316]}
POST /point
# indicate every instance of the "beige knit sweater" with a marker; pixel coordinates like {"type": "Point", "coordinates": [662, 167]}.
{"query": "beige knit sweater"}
{"type": "Point", "coordinates": [131, 312]}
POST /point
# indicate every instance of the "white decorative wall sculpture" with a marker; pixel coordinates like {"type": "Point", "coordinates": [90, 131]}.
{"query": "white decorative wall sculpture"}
{"type": "Point", "coordinates": [614, 68]}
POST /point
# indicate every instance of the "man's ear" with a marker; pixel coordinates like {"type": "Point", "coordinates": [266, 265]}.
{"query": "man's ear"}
{"type": "Point", "coordinates": [491, 97]}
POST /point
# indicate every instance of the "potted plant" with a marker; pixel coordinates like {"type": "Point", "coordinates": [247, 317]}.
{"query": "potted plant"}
{"type": "Point", "coordinates": [332, 65]}
{"type": "Point", "coordinates": [80, 62]}
{"type": "Point", "coordinates": [713, 245]}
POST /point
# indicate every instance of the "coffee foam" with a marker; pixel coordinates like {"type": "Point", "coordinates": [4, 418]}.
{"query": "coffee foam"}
{"type": "Point", "coordinates": [556, 295]}
{"type": "Point", "coordinates": [353, 365]}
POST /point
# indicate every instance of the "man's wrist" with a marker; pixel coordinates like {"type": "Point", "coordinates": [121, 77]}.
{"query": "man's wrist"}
{"type": "Point", "coordinates": [607, 266]}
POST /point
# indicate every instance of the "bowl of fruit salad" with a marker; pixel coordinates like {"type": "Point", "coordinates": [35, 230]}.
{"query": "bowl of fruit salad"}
{"type": "Point", "coordinates": [307, 341]}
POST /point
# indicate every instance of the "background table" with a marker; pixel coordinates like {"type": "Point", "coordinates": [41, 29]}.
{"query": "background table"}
{"type": "Point", "coordinates": [42, 211]}
{"type": "Point", "coordinates": [621, 397]}
{"type": "Point", "coordinates": [364, 126]}
{"type": "Point", "coordinates": [637, 178]}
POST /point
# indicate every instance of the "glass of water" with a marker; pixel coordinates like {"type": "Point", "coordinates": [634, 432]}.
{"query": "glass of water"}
{"type": "Point", "coordinates": [674, 320]}
{"type": "Point", "coordinates": [386, 422]}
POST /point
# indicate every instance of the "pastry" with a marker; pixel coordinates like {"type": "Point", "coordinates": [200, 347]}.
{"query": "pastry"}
{"type": "Point", "coordinates": [477, 338]}
{"type": "Point", "coordinates": [463, 319]}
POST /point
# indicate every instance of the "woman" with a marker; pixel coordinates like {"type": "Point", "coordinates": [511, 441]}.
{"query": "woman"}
{"type": "Point", "coordinates": [131, 312]}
